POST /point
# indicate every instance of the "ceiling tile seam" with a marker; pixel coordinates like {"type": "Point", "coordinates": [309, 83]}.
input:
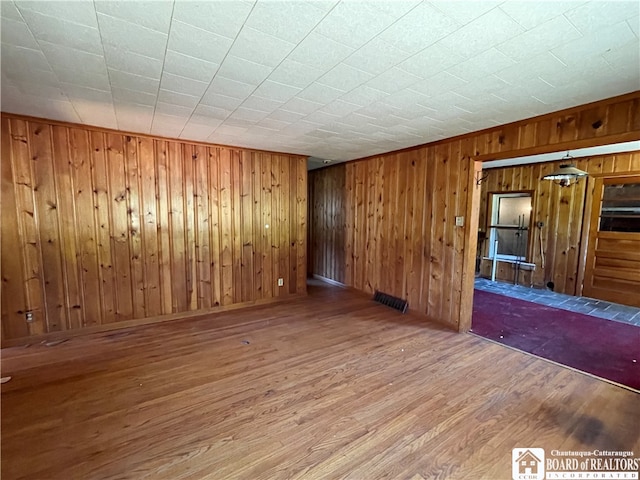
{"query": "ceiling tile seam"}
{"type": "Point", "coordinates": [371, 40]}
{"type": "Point", "coordinates": [608, 62]}
{"type": "Point", "coordinates": [104, 57]}
{"type": "Point", "coordinates": [49, 63]}
{"type": "Point", "coordinates": [557, 58]}
{"type": "Point", "coordinates": [435, 5]}
{"type": "Point", "coordinates": [183, 54]}
{"type": "Point", "coordinates": [500, 47]}
{"type": "Point", "coordinates": [404, 59]}
{"type": "Point", "coordinates": [538, 100]}
{"type": "Point", "coordinates": [497, 7]}
{"type": "Point", "coordinates": [216, 72]}
{"type": "Point", "coordinates": [283, 60]}
{"type": "Point", "coordinates": [515, 20]}
{"type": "Point", "coordinates": [320, 83]}
{"type": "Point", "coordinates": [244, 23]}
{"type": "Point", "coordinates": [382, 73]}
{"type": "Point", "coordinates": [628, 20]}
{"type": "Point", "coordinates": [547, 20]}
{"type": "Point", "coordinates": [574, 25]}
{"type": "Point", "coordinates": [120, 19]}
{"type": "Point", "coordinates": [66, 47]}
{"type": "Point", "coordinates": [542, 79]}
{"type": "Point", "coordinates": [493, 94]}
{"type": "Point", "coordinates": [52, 16]}
{"type": "Point", "coordinates": [164, 59]}
{"type": "Point", "coordinates": [139, 76]}
{"type": "Point", "coordinates": [353, 88]}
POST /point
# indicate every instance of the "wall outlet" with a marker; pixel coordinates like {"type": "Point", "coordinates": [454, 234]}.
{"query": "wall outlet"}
{"type": "Point", "coordinates": [281, 282]}
{"type": "Point", "coordinates": [28, 316]}
{"type": "Point", "coordinates": [459, 221]}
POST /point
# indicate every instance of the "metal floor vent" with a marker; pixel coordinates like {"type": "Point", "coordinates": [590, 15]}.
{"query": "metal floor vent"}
{"type": "Point", "coordinates": [391, 301]}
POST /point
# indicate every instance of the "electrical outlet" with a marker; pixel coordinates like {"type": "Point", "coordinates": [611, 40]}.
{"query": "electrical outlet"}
{"type": "Point", "coordinates": [281, 282]}
{"type": "Point", "coordinates": [28, 316]}
{"type": "Point", "coordinates": [459, 221]}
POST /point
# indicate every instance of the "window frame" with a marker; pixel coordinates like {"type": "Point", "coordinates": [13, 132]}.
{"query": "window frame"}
{"type": "Point", "coordinates": [491, 227]}
{"type": "Point", "coordinates": [617, 181]}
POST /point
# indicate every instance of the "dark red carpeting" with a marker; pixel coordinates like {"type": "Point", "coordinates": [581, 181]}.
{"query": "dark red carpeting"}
{"type": "Point", "coordinates": [604, 348]}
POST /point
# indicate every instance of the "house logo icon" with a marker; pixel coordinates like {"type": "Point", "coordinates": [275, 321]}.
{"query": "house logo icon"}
{"type": "Point", "coordinates": [527, 463]}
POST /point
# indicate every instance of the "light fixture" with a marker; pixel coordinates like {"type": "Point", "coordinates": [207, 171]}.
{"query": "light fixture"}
{"type": "Point", "coordinates": [567, 174]}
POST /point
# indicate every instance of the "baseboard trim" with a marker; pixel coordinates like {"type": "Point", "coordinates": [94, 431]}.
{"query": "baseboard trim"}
{"type": "Point", "coordinates": [67, 334]}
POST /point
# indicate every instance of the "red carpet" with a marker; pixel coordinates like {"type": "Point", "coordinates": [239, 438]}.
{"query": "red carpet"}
{"type": "Point", "coordinates": [601, 347]}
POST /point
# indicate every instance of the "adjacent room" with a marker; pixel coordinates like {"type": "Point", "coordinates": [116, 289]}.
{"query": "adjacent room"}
{"type": "Point", "coordinates": [567, 247]}
{"type": "Point", "coordinates": [245, 239]}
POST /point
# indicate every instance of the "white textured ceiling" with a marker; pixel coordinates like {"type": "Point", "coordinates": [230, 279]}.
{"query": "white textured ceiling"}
{"type": "Point", "coordinates": [329, 79]}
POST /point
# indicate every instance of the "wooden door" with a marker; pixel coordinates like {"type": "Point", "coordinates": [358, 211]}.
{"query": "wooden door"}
{"type": "Point", "coordinates": [612, 270]}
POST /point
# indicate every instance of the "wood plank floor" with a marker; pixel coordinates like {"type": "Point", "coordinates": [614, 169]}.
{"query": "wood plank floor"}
{"type": "Point", "coordinates": [330, 386]}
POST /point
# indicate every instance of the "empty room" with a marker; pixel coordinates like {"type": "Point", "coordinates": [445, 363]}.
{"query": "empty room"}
{"type": "Point", "coordinates": [260, 239]}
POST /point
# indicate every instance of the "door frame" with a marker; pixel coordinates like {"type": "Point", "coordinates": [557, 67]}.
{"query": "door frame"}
{"type": "Point", "coordinates": [587, 218]}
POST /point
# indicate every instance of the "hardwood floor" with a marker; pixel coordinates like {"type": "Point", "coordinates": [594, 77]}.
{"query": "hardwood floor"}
{"type": "Point", "coordinates": [330, 386]}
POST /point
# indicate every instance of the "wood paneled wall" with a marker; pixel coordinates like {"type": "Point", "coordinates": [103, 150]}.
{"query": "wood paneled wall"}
{"type": "Point", "coordinates": [560, 209]}
{"type": "Point", "coordinates": [400, 234]}
{"type": "Point", "coordinates": [327, 223]}
{"type": "Point", "coordinates": [400, 207]}
{"type": "Point", "coordinates": [101, 227]}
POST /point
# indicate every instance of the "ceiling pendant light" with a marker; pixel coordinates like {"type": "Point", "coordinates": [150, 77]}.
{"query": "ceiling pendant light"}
{"type": "Point", "coordinates": [567, 174]}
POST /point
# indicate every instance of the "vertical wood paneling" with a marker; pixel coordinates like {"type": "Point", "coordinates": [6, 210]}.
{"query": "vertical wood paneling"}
{"type": "Point", "coordinates": [189, 227]}
{"type": "Point", "coordinates": [405, 207]}
{"type": "Point", "coordinates": [247, 273]}
{"type": "Point", "coordinates": [133, 188]}
{"type": "Point", "coordinates": [258, 225]}
{"type": "Point", "coordinates": [149, 227]}
{"type": "Point", "coordinates": [292, 246]}
{"type": "Point", "coordinates": [417, 252]}
{"type": "Point", "coordinates": [66, 211]}
{"type": "Point", "coordinates": [103, 227]}
{"type": "Point", "coordinates": [236, 237]}
{"type": "Point", "coordinates": [214, 232]}
{"type": "Point", "coordinates": [466, 258]}
{"type": "Point", "coordinates": [119, 227]}
{"type": "Point", "coordinates": [328, 212]}
{"type": "Point", "coordinates": [360, 222]}
{"type": "Point", "coordinates": [437, 290]}
{"type": "Point", "coordinates": [275, 219]}
{"type": "Point", "coordinates": [179, 285]}
{"type": "Point", "coordinates": [46, 205]}
{"type": "Point", "coordinates": [371, 240]}
{"type": "Point", "coordinates": [164, 225]}
{"type": "Point", "coordinates": [202, 222]}
{"type": "Point", "coordinates": [386, 226]}
{"type": "Point", "coordinates": [561, 210]}
{"type": "Point", "coordinates": [13, 279]}
{"type": "Point", "coordinates": [85, 226]}
{"type": "Point", "coordinates": [226, 228]}
{"type": "Point", "coordinates": [416, 239]}
{"type": "Point", "coordinates": [410, 248]}
{"type": "Point", "coordinates": [301, 212]}
{"type": "Point", "coordinates": [28, 226]}
{"type": "Point", "coordinates": [374, 277]}
{"type": "Point", "coordinates": [268, 227]}
{"type": "Point", "coordinates": [458, 172]}
{"type": "Point", "coordinates": [103, 222]}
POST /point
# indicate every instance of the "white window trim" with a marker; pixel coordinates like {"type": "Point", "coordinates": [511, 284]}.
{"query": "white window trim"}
{"type": "Point", "coordinates": [493, 225]}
